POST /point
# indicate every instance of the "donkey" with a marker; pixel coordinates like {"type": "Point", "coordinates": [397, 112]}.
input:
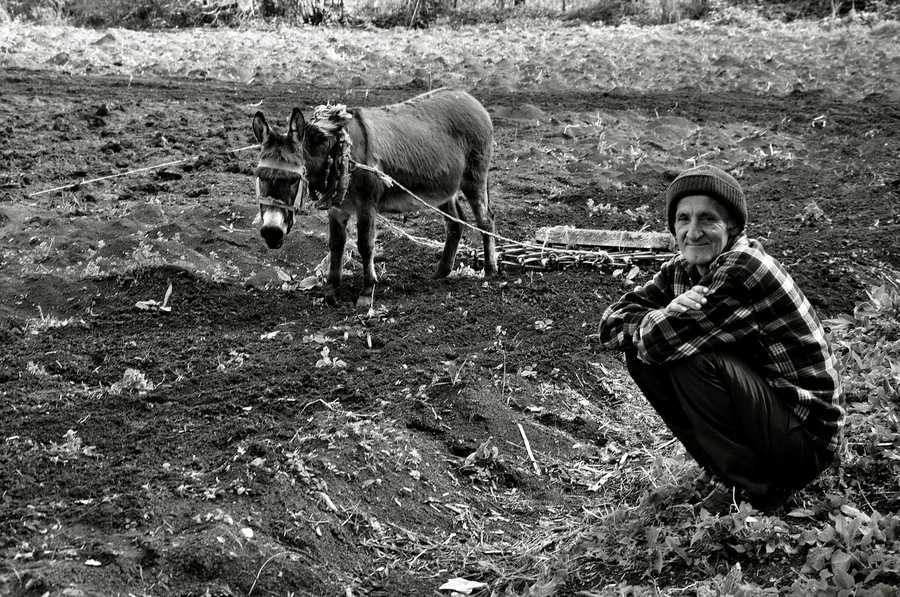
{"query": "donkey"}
{"type": "Point", "coordinates": [367, 161]}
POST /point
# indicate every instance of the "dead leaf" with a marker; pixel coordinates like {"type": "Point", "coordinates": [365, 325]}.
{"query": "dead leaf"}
{"type": "Point", "coordinates": [309, 282]}
{"type": "Point", "coordinates": [461, 585]}
{"type": "Point", "coordinates": [152, 305]}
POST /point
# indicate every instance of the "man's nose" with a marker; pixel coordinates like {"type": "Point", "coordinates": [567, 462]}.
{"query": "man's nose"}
{"type": "Point", "coordinates": [694, 230]}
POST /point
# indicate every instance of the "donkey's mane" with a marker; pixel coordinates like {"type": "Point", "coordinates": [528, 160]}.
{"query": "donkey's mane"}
{"type": "Point", "coordinates": [331, 118]}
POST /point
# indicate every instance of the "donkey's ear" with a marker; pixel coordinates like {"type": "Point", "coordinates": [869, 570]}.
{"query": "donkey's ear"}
{"type": "Point", "coordinates": [260, 128]}
{"type": "Point", "coordinates": [297, 126]}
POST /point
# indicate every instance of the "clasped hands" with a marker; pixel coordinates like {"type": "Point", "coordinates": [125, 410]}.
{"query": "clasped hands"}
{"type": "Point", "coordinates": [694, 298]}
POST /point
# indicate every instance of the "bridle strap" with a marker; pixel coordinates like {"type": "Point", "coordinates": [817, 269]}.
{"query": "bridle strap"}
{"type": "Point", "coordinates": [278, 204]}
{"type": "Point", "coordinates": [284, 166]}
{"type": "Point", "coordinates": [300, 171]}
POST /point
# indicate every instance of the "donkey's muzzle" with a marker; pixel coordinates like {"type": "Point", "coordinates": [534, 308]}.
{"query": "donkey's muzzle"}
{"type": "Point", "coordinates": [273, 236]}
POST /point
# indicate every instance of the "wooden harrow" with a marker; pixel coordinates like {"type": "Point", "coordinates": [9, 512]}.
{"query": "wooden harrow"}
{"type": "Point", "coordinates": [563, 247]}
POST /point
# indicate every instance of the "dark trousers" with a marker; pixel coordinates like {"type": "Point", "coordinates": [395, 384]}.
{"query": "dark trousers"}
{"type": "Point", "coordinates": [731, 422]}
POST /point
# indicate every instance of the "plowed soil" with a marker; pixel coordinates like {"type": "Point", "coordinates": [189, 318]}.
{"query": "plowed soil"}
{"type": "Point", "coordinates": [250, 439]}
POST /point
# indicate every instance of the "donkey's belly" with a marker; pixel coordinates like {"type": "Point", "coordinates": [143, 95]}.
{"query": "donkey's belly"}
{"type": "Point", "coordinates": [401, 201]}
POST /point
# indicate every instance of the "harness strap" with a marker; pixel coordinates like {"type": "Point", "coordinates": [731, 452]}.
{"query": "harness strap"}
{"type": "Point", "coordinates": [340, 166]}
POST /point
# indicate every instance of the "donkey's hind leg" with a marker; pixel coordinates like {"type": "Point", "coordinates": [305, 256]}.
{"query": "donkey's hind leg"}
{"type": "Point", "coordinates": [477, 195]}
{"type": "Point", "coordinates": [453, 230]}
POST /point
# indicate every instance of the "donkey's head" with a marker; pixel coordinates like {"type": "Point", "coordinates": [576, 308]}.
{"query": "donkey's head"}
{"type": "Point", "coordinates": [289, 165]}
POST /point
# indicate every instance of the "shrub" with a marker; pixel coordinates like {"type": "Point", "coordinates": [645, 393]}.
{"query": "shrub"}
{"type": "Point", "coordinates": [143, 14]}
{"type": "Point", "coordinates": [609, 12]}
{"type": "Point", "coordinates": [663, 12]}
{"type": "Point", "coordinates": [41, 11]}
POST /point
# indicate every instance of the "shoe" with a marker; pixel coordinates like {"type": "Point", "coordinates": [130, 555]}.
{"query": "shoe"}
{"type": "Point", "coordinates": [720, 499]}
{"type": "Point", "coordinates": [774, 500]}
{"type": "Point", "coordinates": [701, 485]}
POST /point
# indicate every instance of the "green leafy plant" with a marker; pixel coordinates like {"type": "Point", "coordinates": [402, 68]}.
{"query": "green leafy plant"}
{"type": "Point", "coordinates": [868, 345]}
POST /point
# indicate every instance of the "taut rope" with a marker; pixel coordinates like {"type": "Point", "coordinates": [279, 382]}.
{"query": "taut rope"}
{"type": "Point", "coordinates": [601, 255]}
{"type": "Point", "coordinates": [156, 167]}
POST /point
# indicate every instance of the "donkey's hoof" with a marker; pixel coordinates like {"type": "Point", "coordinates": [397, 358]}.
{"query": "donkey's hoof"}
{"type": "Point", "coordinates": [330, 298]}
{"type": "Point", "coordinates": [364, 302]}
{"type": "Point", "coordinates": [442, 271]}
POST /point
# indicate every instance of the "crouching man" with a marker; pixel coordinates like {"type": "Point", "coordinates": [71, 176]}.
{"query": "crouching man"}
{"type": "Point", "coordinates": [730, 352]}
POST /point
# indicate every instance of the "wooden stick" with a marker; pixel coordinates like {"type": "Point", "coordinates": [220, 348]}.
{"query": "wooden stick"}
{"type": "Point", "coordinates": [534, 463]}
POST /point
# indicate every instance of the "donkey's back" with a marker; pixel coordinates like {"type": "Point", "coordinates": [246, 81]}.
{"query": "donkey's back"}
{"type": "Point", "coordinates": [436, 145]}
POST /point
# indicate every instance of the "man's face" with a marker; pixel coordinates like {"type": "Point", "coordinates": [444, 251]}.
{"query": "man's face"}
{"type": "Point", "coordinates": [703, 228]}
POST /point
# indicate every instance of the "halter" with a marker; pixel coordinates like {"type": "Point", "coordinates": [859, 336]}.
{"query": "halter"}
{"type": "Point", "coordinates": [302, 189]}
{"type": "Point", "coordinates": [338, 168]}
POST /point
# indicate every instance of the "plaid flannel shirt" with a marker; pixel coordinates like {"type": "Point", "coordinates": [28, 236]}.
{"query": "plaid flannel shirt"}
{"type": "Point", "coordinates": [756, 310]}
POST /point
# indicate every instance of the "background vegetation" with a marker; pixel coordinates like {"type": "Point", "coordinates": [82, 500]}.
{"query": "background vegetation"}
{"type": "Point", "coordinates": [144, 14]}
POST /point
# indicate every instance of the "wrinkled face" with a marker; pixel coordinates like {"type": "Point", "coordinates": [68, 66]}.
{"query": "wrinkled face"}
{"type": "Point", "coordinates": [703, 228]}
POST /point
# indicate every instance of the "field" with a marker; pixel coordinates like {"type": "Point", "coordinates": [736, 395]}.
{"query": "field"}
{"type": "Point", "coordinates": [180, 415]}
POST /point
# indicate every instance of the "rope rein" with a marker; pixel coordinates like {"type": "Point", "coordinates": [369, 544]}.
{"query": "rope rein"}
{"type": "Point", "coordinates": [137, 171]}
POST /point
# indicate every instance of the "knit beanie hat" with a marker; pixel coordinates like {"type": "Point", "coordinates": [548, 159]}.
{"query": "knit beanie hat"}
{"type": "Point", "coordinates": [707, 180]}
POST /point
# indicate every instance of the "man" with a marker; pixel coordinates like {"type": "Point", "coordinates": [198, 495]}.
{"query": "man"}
{"type": "Point", "coordinates": [730, 352]}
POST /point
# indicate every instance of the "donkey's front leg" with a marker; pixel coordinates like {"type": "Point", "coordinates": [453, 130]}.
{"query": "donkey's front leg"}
{"type": "Point", "coordinates": [337, 240]}
{"type": "Point", "coordinates": [365, 243]}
